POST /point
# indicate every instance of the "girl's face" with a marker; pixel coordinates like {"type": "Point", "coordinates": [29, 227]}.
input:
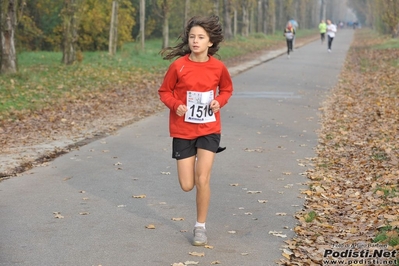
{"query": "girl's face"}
{"type": "Point", "coordinates": [198, 40]}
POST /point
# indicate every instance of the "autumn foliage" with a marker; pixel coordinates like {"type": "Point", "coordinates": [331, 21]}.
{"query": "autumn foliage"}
{"type": "Point", "coordinates": [353, 195]}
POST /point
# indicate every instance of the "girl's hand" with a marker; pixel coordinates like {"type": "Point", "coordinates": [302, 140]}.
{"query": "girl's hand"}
{"type": "Point", "coordinates": [181, 110]}
{"type": "Point", "coordinates": [215, 106]}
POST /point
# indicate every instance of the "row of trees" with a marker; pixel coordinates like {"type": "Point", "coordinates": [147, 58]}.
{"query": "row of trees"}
{"type": "Point", "coordinates": [382, 16]}
{"type": "Point", "coordinates": [89, 25]}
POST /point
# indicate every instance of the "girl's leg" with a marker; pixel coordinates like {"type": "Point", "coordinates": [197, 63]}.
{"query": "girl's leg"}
{"type": "Point", "coordinates": [288, 47]}
{"type": "Point", "coordinates": [186, 173]}
{"type": "Point", "coordinates": [202, 182]}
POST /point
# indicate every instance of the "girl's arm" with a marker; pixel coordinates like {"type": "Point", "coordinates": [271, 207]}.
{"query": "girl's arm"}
{"type": "Point", "coordinates": [225, 87]}
{"type": "Point", "coordinates": [166, 91]}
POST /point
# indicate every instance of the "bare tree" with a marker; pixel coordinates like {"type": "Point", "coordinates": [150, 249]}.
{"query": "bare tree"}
{"type": "Point", "coordinates": [8, 22]}
{"type": "Point", "coordinates": [113, 29]}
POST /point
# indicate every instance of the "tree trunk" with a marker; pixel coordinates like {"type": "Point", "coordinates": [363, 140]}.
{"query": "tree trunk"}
{"type": "Point", "coordinates": [260, 17]}
{"type": "Point", "coordinates": [271, 15]}
{"type": "Point", "coordinates": [228, 34]}
{"type": "Point", "coordinates": [142, 23]}
{"type": "Point", "coordinates": [216, 7]}
{"type": "Point", "coordinates": [70, 34]}
{"type": "Point", "coordinates": [245, 22]}
{"type": "Point", "coordinates": [280, 19]}
{"type": "Point", "coordinates": [165, 32]}
{"type": "Point", "coordinates": [235, 22]}
{"type": "Point", "coordinates": [113, 31]}
{"type": "Point", "coordinates": [186, 12]}
{"type": "Point", "coordinates": [323, 10]}
{"type": "Point", "coordinates": [252, 20]}
{"type": "Point", "coordinates": [8, 21]}
{"type": "Point", "coordinates": [265, 17]}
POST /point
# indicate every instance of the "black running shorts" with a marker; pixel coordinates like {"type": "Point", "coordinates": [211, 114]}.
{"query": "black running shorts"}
{"type": "Point", "coordinates": [184, 148]}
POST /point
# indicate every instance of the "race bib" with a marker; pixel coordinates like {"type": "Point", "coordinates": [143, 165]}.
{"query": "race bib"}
{"type": "Point", "coordinates": [289, 35]}
{"type": "Point", "coordinates": [198, 105]}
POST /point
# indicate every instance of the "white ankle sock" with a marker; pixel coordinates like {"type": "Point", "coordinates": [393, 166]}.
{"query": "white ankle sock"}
{"type": "Point", "coordinates": [197, 224]}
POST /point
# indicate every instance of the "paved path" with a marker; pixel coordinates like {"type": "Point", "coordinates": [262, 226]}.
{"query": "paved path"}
{"type": "Point", "coordinates": [269, 129]}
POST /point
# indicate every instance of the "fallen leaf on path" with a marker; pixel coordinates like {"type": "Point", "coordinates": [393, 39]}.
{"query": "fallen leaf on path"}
{"type": "Point", "coordinates": [142, 196]}
{"type": "Point", "coordinates": [178, 219]}
{"type": "Point", "coordinates": [190, 262]}
{"type": "Point", "coordinates": [58, 215]}
{"type": "Point", "coordinates": [197, 254]}
{"type": "Point", "coordinates": [253, 192]}
{"type": "Point", "coordinates": [215, 262]}
{"type": "Point", "coordinates": [150, 226]}
{"type": "Point", "coordinates": [276, 233]}
{"type": "Point", "coordinates": [254, 150]}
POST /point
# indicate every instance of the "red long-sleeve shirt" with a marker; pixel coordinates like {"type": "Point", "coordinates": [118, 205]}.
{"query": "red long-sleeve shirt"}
{"type": "Point", "coordinates": [185, 75]}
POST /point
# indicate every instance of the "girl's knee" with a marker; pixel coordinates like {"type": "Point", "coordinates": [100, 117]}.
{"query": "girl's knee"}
{"type": "Point", "coordinates": [202, 182]}
{"type": "Point", "coordinates": [187, 187]}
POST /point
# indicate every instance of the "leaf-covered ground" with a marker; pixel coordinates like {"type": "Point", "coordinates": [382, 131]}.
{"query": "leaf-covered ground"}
{"type": "Point", "coordinates": [353, 198]}
{"type": "Point", "coordinates": [39, 136]}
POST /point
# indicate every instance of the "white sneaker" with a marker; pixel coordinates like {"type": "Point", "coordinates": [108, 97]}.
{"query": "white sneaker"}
{"type": "Point", "coordinates": [329, 50]}
{"type": "Point", "coordinates": [200, 238]}
{"type": "Point", "coordinates": [288, 56]}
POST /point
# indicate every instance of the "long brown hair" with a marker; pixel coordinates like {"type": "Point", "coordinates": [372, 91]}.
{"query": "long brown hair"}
{"type": "Point", "coordinates": [210, 24]}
